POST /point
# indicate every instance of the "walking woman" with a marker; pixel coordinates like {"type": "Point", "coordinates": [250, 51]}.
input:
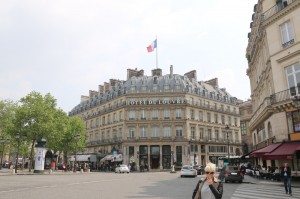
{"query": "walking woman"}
{"type": "Point", "coordinates": [286, 174]}
{"type": "Point", "coordinates": [210, 187]}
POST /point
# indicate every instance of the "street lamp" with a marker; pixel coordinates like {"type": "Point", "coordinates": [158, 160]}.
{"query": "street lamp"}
{"type": "Point", "coordinates": [18, 136]}
{"type": "Point", "coordinates": [227, 134]}
{"type": "Point", "coordinates": [2, 140]}
{"type": "Point", "coordinates": [76, 138]}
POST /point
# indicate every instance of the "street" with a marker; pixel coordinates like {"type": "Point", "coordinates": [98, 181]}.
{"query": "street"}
{"type": "Point", "coordinates": [157, 185]}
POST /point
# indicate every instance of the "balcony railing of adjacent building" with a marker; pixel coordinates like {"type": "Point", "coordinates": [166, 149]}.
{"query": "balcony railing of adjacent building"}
{"type": "Point", "coordinates": [277, 8]}
{"type": "Point", "coordinates": [260, 109]}
{"type": "Point", "coordinates": [282, 97]}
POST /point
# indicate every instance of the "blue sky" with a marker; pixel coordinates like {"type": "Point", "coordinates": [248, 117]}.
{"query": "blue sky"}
{"type": "Point", "coordinates": [68, 47]}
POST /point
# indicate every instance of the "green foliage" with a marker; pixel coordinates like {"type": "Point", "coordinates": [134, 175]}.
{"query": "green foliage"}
{"type": "Point", "coordinates": [248, 57]}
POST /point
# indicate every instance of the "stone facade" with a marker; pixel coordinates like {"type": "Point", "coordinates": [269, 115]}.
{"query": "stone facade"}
{"type": "Point", "coordinates": [160, 120]}
{"type": "Point", "coordinates": [273, 55]}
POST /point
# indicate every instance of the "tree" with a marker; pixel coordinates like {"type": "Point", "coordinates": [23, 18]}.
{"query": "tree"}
{"type": "Point", "coordinates": [7, 113]}
{"type": "Point", "coordinates": [75, 128]}
{"type": "Point", "coordinates": [35, 118]}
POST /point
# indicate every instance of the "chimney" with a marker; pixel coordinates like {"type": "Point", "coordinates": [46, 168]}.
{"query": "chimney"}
{"type": "Point", "coordinates": [157, 72]}
{"type": "Point", "coordinates": [106, 86]}
{"type": "Point", "coordinates": [92, 93]}
{"type": "Point", "coordinates": [171, 71]}
{"type": "Point", "coordinates": [135, 72]}
{"type": "Point", "coordinates": [191, 75]}
{"type": "Point", "coordinates": [101, 89]}
{"type": "Point", "coordinates": [213, 82]}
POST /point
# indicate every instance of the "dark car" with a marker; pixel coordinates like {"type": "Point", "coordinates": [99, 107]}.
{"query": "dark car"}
{"type": "Point", "coordinates": [232, 173]}
{"type": "Point", "coordinates": [200, 169]}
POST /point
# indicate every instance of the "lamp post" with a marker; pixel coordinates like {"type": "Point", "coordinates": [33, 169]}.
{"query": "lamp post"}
{"type": "Point", "coordinates": [18, 136]}
{"type": "Point", "coordinates": [76, 138]}
{"type": "Point", "coordinates": [227, 134]}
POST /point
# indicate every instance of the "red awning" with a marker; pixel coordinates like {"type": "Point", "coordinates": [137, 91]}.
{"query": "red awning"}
{"type": "Point", "coordinates": [284, 151]}
{"type": "Point", "coordinates": [267, 149]}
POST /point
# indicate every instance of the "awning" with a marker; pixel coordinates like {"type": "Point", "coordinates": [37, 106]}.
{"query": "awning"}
{"type": "Point", "coordinates": [81, 158]}
{"type": "Point", "coordinates": [267, 149]}
{"type": "Point", "coordinates": [284, 151]}
{"type": "Point", "coordinates": [117, 158]}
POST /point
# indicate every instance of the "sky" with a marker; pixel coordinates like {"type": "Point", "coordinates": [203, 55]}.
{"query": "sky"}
{"type": "Point", "coordinates": [68, 47]}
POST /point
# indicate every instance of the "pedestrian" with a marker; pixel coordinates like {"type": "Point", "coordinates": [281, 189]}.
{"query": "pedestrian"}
{"type": "Point", "coordinates": [210, 187]}
{"type": "Point", "coordinates": [286, 174]}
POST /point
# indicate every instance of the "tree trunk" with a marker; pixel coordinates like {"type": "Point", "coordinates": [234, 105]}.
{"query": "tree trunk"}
{"type": "Point", "coordinates": [31, 155]}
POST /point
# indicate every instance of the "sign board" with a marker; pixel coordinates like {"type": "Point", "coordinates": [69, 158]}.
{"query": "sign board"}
{"type": "Point", "coordinates": [40, 159]}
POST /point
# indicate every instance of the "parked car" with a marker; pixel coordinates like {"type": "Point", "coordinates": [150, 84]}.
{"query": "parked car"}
{"type": "Point", "coordinates": [232, 173]}
{"type": "Point", "coordinates": [188, 170]}
{"type": "Point", "coordinates": [200, 169]}
{"type": "Point", "coordinates": [122, 169]}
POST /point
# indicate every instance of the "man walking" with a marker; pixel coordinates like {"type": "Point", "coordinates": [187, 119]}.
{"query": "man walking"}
{"type": "Point", "coordinates": [286, 174]}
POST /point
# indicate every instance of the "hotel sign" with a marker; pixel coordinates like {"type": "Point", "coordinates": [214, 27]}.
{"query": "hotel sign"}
{"type": "Point", "coordinates": [151, 102]}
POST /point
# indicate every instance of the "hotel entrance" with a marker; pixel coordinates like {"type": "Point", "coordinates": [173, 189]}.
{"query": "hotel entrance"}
{"type": "Point", "coordinates": [166, 156]}
{"type": "Point", "coordinates": [154, 157]}
{"type": "Point", "coordinates": [143, 155]}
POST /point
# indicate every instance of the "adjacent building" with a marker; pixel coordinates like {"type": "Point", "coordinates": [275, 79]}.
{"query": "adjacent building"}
{"type": "Point", "coordinates": [273, 54]}
{"type": "Point", "coordinates": [160, 120]}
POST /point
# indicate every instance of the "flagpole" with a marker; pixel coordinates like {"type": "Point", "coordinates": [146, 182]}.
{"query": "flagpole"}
{"type": "Point", "coordinates": [156, 54]}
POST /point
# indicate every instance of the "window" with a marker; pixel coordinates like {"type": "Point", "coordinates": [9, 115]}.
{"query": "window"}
{"type": "Point", "coordinates": [155, 114]}
{"type": "Point", "coordinates": [287, 35]}
{"type": "Point", "coordinates": [200, 116]}
{"type": "Point", "coordinates": [143, 132]}
{"type": "Point", "coordinates": [209, 134]}
{"type": "Point", "coordinates": [208, 117]}
{"type": "Point", "coordinates": [178, 113]}
{"type": "Point", "coordinates": [293, 78]}
{"type": "Point", "coordinates": [236, 137]}
{"type": "Point", "coordinates": [217, 135]}
{"type": "Point", "coordinates": [179, 131]}
{"type": "Point", "coordinates": [166, 114]}
{"type": "Point", "coordinates": [223, 119]}
{"type": "Point", "coordinates": [154, 132]}
{"type": "Point", "coordinates": [201, 130]}
{"type": "Point", "coordinates": [229, 120]}
{"type": "Point", "coordinates": [243, 128]}
{"type": "Point", "coordinates": [120, 115]}
{"type": "Point", "coordinates": [193, 132]}
{"type": "Point", "coordinates": [235, 121]}
{"type": "Point", "coordinates": [131, 132]}
{"type": "Point", "coordinates": [192, 114]}
{"type": "Point", "coordinates": [143, 115]}
{"type": "Point", "coordinates": [131, 115]}
{"type": "Point", "coordinates": [216, 118]}
{"type": "Point", "coordinates": [167, 132]}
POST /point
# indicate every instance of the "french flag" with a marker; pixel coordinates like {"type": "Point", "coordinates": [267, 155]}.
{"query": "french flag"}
{"type": "Point", "coordinates": [151, 47]}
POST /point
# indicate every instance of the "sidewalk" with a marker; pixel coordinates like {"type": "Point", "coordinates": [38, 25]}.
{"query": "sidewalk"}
{"type": "Point", "coordinates": [254, 180]}
{"type": "Point", "coordinates": [5, 171]}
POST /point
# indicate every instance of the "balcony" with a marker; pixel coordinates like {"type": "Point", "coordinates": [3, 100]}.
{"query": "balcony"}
{"type": "Point", "coordinates": [277, 8]}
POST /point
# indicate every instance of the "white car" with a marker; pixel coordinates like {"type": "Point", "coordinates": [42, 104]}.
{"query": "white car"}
{"type": "Point", "coordinates": [122, 169]}
{"type": "Point", "coordinates": [188, 170]}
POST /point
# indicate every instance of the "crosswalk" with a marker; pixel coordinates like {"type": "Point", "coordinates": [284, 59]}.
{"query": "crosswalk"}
{"type": "Point", "coordinates": [263, 191]}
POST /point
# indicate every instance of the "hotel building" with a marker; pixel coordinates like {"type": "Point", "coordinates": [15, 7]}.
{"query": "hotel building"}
{"type": "Point", "coordinates": [161, 120]}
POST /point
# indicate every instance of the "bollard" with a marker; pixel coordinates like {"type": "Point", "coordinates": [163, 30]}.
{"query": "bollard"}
{"type": "Point", "coordinates": [13, 171]}
{"type": "Point", "coordinates": [81, 170]}
{"type": "Point", "coordinates": [89, 170]}
{"type": "Point", "coordinates": [50, 171]}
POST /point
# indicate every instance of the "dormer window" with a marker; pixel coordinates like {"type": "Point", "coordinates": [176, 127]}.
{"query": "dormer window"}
{"type": "Point", "coordinates": [166, 87]}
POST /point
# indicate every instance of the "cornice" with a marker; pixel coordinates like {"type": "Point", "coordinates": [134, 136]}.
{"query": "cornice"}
{"type": "Point", "coordinates": [281, 13]}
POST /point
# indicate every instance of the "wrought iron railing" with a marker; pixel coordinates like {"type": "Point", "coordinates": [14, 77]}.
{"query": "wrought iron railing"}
{"type": "Point", "coordinates": [276, 8]}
